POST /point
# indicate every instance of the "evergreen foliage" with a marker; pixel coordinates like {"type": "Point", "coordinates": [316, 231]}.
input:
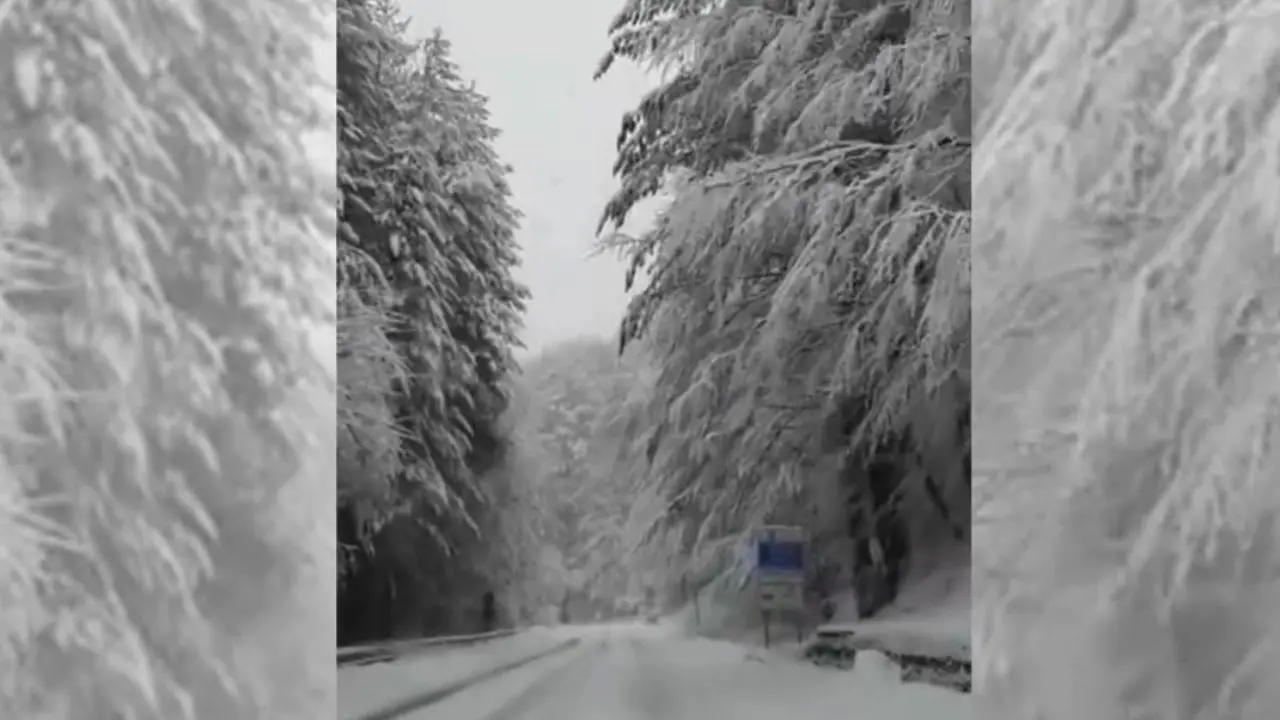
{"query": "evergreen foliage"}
{"type": "Point", "coordinates": [429, 314]}
{"type": "Point", "coordinates": [164, 268]}
{"type": "Point", "coordinates": [572, 395]}
{"type": "Point", "coordinates": [808, 283]}
{"type": "Point", "coordinates": [1127, 503]}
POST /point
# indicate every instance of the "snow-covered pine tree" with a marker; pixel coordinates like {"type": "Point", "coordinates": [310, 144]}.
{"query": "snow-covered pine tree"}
{"type": "Point", "coordinates": [165, 425]}
{"type": "Point", "coordinates": [1127, 307]}
{"type": "Point", "coordinates": [809, 281]}
{"type": "Point", "coordinates": [370, 365]}
{"type": "Point", "coordinates": [425, 201]}
{"type": "Point", "coordinates": [574, 390]}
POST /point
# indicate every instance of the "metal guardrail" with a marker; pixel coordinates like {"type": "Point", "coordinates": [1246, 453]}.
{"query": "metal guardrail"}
{"type": "Point", "coordinates": [388, 651]}
{"type": "Point", "coordinates": [434, 696]}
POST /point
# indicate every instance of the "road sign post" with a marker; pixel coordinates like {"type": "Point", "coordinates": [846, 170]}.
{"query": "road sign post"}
{"type": "Point", "coordinates": [779, 573]}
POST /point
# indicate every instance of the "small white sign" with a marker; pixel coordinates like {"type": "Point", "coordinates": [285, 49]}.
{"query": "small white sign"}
{"type": "Point", "coordinates": [778, 595]}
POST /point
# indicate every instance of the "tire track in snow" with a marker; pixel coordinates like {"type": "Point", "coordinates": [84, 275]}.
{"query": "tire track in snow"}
{"type": "Point", "coordinates": [652, 691]}
{"type": "Point", "coordinates": [542, 693]}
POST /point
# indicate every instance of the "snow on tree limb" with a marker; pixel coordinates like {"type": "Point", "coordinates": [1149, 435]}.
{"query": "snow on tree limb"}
{"type": "Point", "coordinates": [1126, 305]}
{"type": "Point", "coordinates": [808, 286]}
{"type": "Point", "coordinates": [163, 272]}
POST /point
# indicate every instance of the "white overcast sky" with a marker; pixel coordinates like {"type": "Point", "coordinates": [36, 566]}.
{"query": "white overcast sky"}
{"type": "Point", "coordinates": [534, 60]}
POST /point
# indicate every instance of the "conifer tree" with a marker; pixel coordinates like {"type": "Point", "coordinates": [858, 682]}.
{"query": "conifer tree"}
{"type": "Point", "coordinates": [808, 283]}
{"type": "Point", "coordinates": [1126, 390]}
{"type": "Point", "coordinates": [432, 310]}
{"type": "Point", "coordinates": [165, 265]}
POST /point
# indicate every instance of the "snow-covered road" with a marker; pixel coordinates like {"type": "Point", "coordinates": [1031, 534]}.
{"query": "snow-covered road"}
{"type": "Point", "coordinates": [638, 672]}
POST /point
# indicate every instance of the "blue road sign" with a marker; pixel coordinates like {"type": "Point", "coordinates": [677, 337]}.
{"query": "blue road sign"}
{"type": "Point", "coordinates": [780, 556]}
{"type": "Point", "coordinates": [779, 569]}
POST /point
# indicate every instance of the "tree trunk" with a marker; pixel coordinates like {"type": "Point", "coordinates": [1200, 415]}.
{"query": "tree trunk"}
{"type": "Point", "coordinates": [879, 532]}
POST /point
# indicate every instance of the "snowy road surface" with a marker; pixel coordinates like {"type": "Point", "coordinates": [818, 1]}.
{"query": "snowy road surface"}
{"type": "Point", "coordinates": [363, 690]}
{"type": "Point", "coordinates": [636, 672]}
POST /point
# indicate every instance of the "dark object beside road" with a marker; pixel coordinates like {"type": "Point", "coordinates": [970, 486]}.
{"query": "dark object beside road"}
{"type": "Point", "coordinates": [489, 612]}
{"type": "Point", "coordinates": [840, 649]}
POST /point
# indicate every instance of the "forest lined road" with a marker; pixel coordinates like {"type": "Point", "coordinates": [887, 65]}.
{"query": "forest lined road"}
{"type": "Point", "coordinates": [638, 672]}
